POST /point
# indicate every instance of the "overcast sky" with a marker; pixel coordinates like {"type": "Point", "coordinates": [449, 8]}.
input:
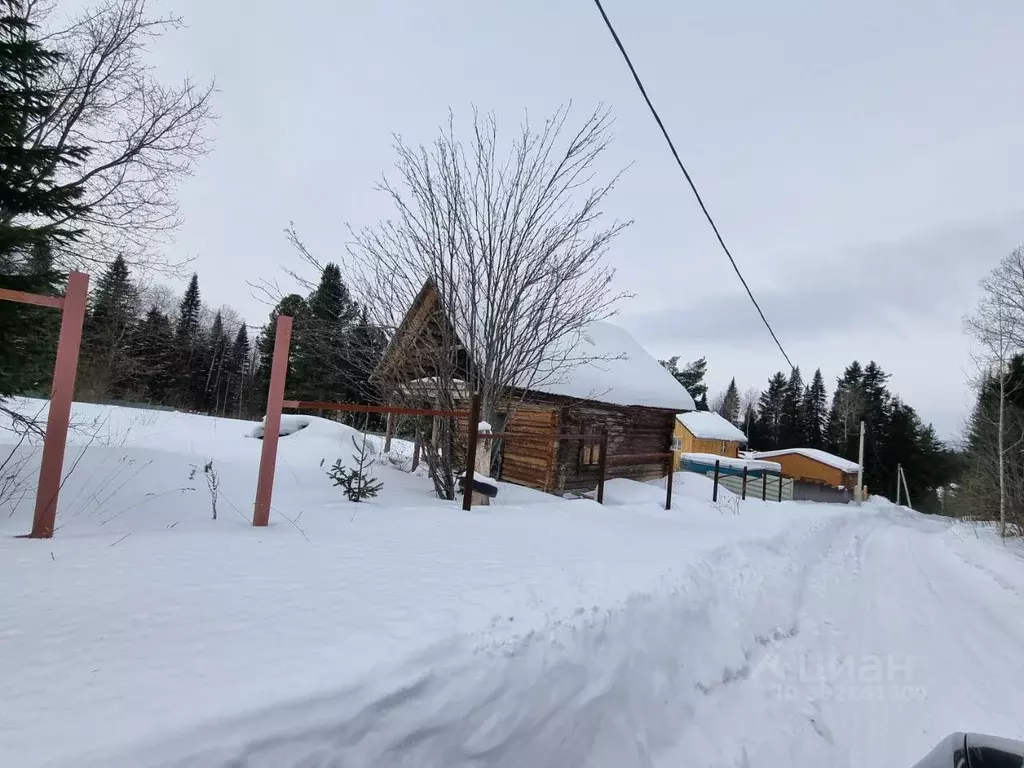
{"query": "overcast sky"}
{"type": "Point", "coordinates": [863, 160]}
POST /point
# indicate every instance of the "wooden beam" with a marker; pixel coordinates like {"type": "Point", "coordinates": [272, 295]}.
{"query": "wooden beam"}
{"type": "Point", "coordinates": [55, 302]}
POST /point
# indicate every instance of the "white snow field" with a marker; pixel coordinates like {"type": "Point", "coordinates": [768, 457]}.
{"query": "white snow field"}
{"type": "Point", "coordinates": [537, 632]}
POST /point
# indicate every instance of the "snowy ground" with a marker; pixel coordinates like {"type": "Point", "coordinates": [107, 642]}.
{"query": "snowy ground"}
{"type": "Point", "coordinates": [536, 632]}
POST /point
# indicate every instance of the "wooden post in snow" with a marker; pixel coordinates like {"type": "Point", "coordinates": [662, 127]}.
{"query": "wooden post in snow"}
{"type": "Point", "coordinates": [416, 452]}
{"type": "Point", "coordinates": [602, 465]}
{"type": "Point", "coordinates": [483, 460]}
{"type": "Point", "coordinates": [473, 427]}
{"type": "Point", "coordinates": [743, 496]}
{"type": "Point", "coordinates": [718, 469]}
{"type": "Point", "coordinates": [61, 395]}
{"type": "Point", "coordinates": [764, 486]}
{"type": "Point", "coordinates": [389, 432]}
{"type": "Point", "coordinates": [272, 422]}
{"type": "Point", "coordinates": [669, 483]}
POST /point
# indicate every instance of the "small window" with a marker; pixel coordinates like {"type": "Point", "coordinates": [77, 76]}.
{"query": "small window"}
{"type": "Point", "coordinates": [725, 449]}
{"type": "Point", "coordinates": [677, 443]}
{"type": "Point", "coordinates": [590, 449]}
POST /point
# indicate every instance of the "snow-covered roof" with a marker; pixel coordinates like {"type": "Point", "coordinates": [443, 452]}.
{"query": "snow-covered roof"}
{"type": "Point", "coordinates": [613, 369]}
{"type": "Point", "coordinates": [708, 425]}
{"type": "Point", "coordinates": [726, 461]}
{"type": "Point", "coordinates": [844, 465]}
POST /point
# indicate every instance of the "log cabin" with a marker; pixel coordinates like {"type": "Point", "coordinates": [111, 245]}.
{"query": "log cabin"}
{"type": "Point", "coordinates": [620, 388]}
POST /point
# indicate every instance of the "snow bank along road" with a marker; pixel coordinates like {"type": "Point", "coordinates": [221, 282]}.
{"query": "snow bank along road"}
{"type": "Point", "coordinates": [858, 640]}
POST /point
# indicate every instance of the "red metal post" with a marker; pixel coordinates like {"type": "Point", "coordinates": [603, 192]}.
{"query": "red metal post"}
{"type": "Point", "coordinates": [61, 395]}
{"type": "Point", "coordinates": [55, 302]}
{"type": "Point", "coordinates": [272, 421]}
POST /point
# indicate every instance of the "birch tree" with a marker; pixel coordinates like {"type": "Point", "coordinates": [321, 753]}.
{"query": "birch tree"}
{"type": "Point", "coordinates": [139, 135]}
{"type": "Point", "coordinates": [997, 326]}
{"type": "Point", "coordinates": [514, 242]}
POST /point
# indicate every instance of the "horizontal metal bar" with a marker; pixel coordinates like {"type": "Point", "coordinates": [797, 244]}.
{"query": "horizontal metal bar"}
{"type": "Point", "coordinates": [354, 408]}
{"type": "Point", "coordinates": [56, 302]}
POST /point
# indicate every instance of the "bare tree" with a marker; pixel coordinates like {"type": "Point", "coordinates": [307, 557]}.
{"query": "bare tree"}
{"type": "Point", "coordinates": [143, 135]}
{"type": "Point", "coordinates": [513, 243]}
{"type": "Point", "coordinates": [998, 326]}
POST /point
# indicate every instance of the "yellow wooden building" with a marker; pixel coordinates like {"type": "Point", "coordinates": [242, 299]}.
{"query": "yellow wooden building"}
{"type": "Point", "coordinates": [708, 433]}
{"type": "Point", "coordinates": [811, 465]}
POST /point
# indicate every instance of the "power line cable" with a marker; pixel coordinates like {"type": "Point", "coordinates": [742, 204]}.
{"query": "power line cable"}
{"type": "Point", "coordinates": [689, 180]}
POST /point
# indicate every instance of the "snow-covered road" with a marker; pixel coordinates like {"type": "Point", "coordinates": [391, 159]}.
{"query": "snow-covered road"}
{"type": "Point", "coordinates": [861, 639]}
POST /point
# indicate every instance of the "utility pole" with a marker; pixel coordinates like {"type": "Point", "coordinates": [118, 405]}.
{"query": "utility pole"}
{"type": "Point", "coordinates": [899, 474]}
{"type": "Point", "coordinates": [860, 466]}
{"type": "Point", "coordinates": [905, 489]}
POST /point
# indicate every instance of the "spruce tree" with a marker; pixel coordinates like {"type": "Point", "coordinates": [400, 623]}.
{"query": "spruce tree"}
{"type": "Point", "coordinates": [191, 384]}
{"type": "Point", "coordinates": [35, 206]}
{"type": "Point", "coordinates": [155, 353]}
{"type": "Point", "coordinates": [294, 306]}
{"type": "Point", "coordinates": [691, 376]}
{"type": "Point", "coordinates": [215, 358]}
{"type": "Point", "coordinates": [238, 373]}
{"type": "Point", "coordinates": [730, 410]}
{"type": "Point", "coordinates": [815, 408]}
{"type": "Point", "coordinates": [769, 412]}
{"type": "Point", "coordinates": [846, 412]}
{"type": "Point", "coordinates": [28, 334]}
{"type": "Point", "coordinates": [324, 363]}
{"type": "Point", "coordinates": [792, 432]}
{"type": "Point", "coordinates": [108, 367]}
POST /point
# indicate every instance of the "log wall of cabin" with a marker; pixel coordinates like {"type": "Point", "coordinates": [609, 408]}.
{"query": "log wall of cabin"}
{"type": "Point", "coordinates": [631, 430]}
{"type": "Point", "coordinates": [530, 462]}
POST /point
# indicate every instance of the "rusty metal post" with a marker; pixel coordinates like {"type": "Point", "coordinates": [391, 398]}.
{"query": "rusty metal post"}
{"type": "Point", "coordinates": [474, 427]}
{"type": "Point", "coordinates": [718, 468]}
{"type": "Point", "coordinates": [272, 421]}
{"type": "Point", "coordinates": [743, 496]}
{"type": "Point", "coordinates": [602, 465]}
{"type": "Point", "coordinates": [61, 395]}
{"type": "Point", "coordinates": [671, 481]}
{"type": "Point", "coordinates": [764, 486]}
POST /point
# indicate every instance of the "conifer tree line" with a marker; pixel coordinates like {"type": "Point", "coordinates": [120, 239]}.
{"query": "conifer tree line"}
{"type": "Point", "coordinates": [190, 357]}
{"type": "Point", "coordinates": [792, 413]}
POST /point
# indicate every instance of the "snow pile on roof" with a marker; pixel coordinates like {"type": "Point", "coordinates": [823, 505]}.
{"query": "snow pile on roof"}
{"type": "Point", "coordinates": [611, 367]}
{"type": "Point", "coordinates": [708, 425]}
{"type": "Point", "coordinates": [726, 461]}
{"type": "Point", "coordinates": [815, 454]}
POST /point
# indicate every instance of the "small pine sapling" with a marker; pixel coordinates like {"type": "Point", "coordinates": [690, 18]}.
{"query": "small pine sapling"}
{"type": "Point", "coordinates": [356, 482]}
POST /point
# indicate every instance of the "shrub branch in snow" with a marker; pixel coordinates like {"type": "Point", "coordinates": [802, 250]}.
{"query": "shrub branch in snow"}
{"type": "Point", "coordinates": [356, 481]}
{"type": "Point", "coordinates": [212, 483]}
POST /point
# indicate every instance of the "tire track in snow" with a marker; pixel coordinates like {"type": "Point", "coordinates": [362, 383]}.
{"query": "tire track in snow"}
{"type": "Point", "coordinates": [617, 690]}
